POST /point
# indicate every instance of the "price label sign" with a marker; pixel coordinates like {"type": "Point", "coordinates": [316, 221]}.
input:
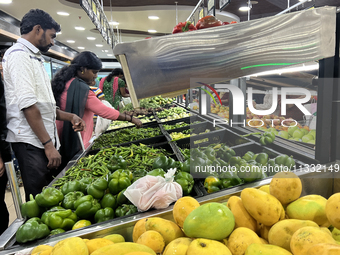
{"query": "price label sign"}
{"type": "Point", "coordinates": [223, 4]}
{"type": "Point", "coordinates": [211, 7]}
{"type": "Point", "coordinates": [201, 14]}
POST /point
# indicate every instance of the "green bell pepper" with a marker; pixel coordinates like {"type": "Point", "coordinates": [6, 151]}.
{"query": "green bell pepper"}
{"type": "Point", "coordinates": [109, 200]}
{"type": "Point", "coordinates": [228, 178]}
{"type": "Point", "coordinates": [285, 161]}
{"type": "Point", "coordinates": [157, 172]}
{"type": "Point", "coordinates": [30, 209]}
{"type": "Point", "coordinates": [104, 215]}
{"type": "Point", "coordinates": [70, 187]}
{"type": "Point", "coordinates": [46, 214]}
{"type": "Point", "coordinates": [186, 181]}
{"type": "Point", "coordinates": [33, 229]}
{"type": "Point", "coordinates": [57, 231]}
{"type": "Point", "coordinates": [196, 153]}
{"type": "Point", "coordinates": [186, 166]}
{"type": "Point", "coordinates": [262, 158]}
{"type": "Point", "coordinates": [61, 219]}
{"type": "Point", "coordinates": [119, 180]}
{"type": "Point", "coordinates": [249, 172]}
{"type": "Point", "coordinates": [70, 198]}
{"type": "Point", "coordinates": [84, 183]}
{"type": "Point", "coordinates": [116, 162]}
{"type": "Point", "coordinates": [179, 165]}
{"type": "Point", "coordinates": [212, 184]}
{"type": "Point", "coordinates": [49, 197]}
{"type": "Point", "coordinates": [139, 173]}
{"type": "Point", "coordinates": [97, 188]}
{"type": "Point", "coordinates": [225, 153]}
{"type": "Point", "coordinates": [248, 156]}
{"type": "Point", "coordinates": [124, 210]}
{"type": "Point", "coordinates": [267, 138]}
{"type": "Point", "coordinates": [163, 162]}
{"type": "Point", "coordinates": [271, 167]}
{"type": "Point", "coordinates": [210, 153]}
{"type": "Point", "coordinates": [122, 199]}
{"type": "Point", "coordinates": [86, 207]}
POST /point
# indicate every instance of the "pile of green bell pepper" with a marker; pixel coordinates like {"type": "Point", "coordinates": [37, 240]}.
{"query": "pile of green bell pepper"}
{"type": "Point", "coordinates": [104, 215]}
{"type": "Point", "coordinates": [86, 206]}
{"type": "Point", "coordinates": [157, 172]}
{"type": "Point", "coordinates": [267, 138]}
{"type": "Point", "coordinates": [186, 181]}
{"type": "Point", "coordinates": [49, 197]}
{"type": "Point", "coordinates": [124, 210]}
{"type": "Point", "coordinates": [70, 198]}
{"type": "Point", "coordinates": [164, 162]}
{"type": "Point", "coordinates": [97, 188]}
{"type": "Point", "coordinates": [139, 173]}
{"type": "Point", "coordinates": [224, 152]}
{"type": "Point", "coordinates": [30, 209]}
{"type": "Point", "coordinates": [212, 184]}
{"type": "Point", "coordinates": [116, 162]}
{"type": "Point", "coordinates": [57, 231]}
{"type": "Point", "coordinates": [109, 200]}
{"type": "Point", "coordinates": [280, 163]}
{"type": "Point", "coordinates": [70, 187]}
{"type": "Point", "coordinates": [119, 180]}
{"type": "Point", "coordinates": [33, 229]}
{"type": "Point", "coordinates": [64, 219]}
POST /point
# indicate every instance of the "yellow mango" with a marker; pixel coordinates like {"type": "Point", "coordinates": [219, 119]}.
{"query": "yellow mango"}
{"type": "Point", "coordinates": [333, 210]}
{"type": "Point", "coordinates": [178, 246]}
{"type": "Point", "coordinates": [70, 246]}
{"type": "Point", "coordinates": [241, 215]}
{"type": "Point", "coordinates": [263, 230]}
{"type": "Point", "coordinates": [95, 244]}
{"type": "Point", "coordinates": [138, 253]}
{"type": "Point", "coordinates": [324, 249]}
{"type": "Point", "coordinates": [168, 229]}
{"type": "Point", "coordinates": [138, 229]}
{"type": "Point", "coordinates": [281, 233]}
{"type": "Point", "coordinates": [310, 207]}
{"type": "Point", "coordinates": [115, 238]}
{"type": "Point", "coordinates": [265, 188]}
{"type": "Point", "coordinates": [336, 234]}
{"type": "Point", "coordinates": [262, 206]}
{"type": "Point", "coordinates": [263, 241]}
{"type": "Point", "coordinates": [286, 187]}
{"type": "Point", "coordinates": [240, 239]}
{"type": "Point", "coordinates": [304, 238]}
{"type": "Point", "coordinates": [45, 252]}
{"type": "Point", "coordinates": [265, 249]}
{"type": "Point", "coordinates": [153, 240]}
{"type": "Point", "coordinates": [123, 249]}
{"type": "Point", "coordinates": [326, 230]}
{"type": "Point", "coordinates": [182, 208]}
{"type": "Point", "coordinates": [42, 247]}
{"type": "Point", "coordinates": [203, 246]}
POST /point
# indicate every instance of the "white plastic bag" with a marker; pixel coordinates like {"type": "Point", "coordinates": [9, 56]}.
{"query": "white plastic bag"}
{"type": "Point", "coordinates": [154, 191]}
{"type": "Point", "coordinates": [102, 124]}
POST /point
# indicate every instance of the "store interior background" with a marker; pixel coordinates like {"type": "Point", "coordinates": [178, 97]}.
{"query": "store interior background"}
{"type": "Point", "coordinates": [135, 24]}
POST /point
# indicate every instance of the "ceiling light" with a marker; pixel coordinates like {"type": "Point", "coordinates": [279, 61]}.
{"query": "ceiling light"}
{"type": "Point", "coordinates": [79, 28]}
{"type": "Point", "coordinates": [81, 48]}
{"type": "Point", "coordinates": [70, 41]}
{"type": "Point", "coordinates": [5, 1]}
{"type": "Point", "coordinates": [59, 33]}
{"type": "Point", "coordinates": [91, 38]}
{"type": "Point", "coordinates": [114, 23]}
{"type": "Point", "coordinates": [153, 17]}
{"type": "Point", "coordinates": [106, 50]}
{"type": "Point", "coordinates": [110, 55]}
{"type": "Point", "coordinates": [63, 13]}
{"type": "Point", "coordinates": [244, 8]}
{"type": "Point", "coordinates": [152, 31]}
{"type": "Point", "coordinates": [311, 67]}
{"type": "Point", "coordinates": [307, 0]}
{"type": "Point", "coordinates": [99, 45]}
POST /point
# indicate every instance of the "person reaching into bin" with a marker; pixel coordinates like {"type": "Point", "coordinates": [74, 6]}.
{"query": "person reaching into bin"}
{"type": "Point", "coordinates": [71, 88]}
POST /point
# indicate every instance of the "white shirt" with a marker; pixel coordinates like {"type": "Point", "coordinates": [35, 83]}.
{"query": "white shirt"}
{"type": "Point", "coordinates": [27, 83]}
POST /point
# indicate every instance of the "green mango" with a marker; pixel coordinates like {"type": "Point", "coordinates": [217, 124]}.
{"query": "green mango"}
{"type": "Point", "coordinates": [217, 226]}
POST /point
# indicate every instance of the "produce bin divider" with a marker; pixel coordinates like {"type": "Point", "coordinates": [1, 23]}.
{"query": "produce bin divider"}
{"type": "Point", "coordinates": [152, 124]}
{"type": "Point", "coordinates": [187, 120]}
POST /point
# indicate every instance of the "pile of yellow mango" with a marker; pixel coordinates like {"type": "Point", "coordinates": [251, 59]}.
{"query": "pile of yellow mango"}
{"type": "Point", "coordinates": [273, 219]}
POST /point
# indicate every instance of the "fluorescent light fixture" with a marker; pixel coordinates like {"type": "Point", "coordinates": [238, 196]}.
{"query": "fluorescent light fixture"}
{"type": "Point", "coordinates": [5, 1]}
{"type": "Point", "coordinates": [106, 50]}
{"type": "Point", "coordinates": [81, 48]}
{"type": "Point", "coordinates": [91, 38]}
{"type": "Point", "coordinates": [79, 28]}
{"type": "Point", "coordinates": [302, 68]}
{"type": "Point", "coordinates": [114, 23]}
{"type": "Point", "coordinates": [153, 17]}
{"type": "Point", "coordinates": [152, 31]}
{"type": "Point", "coordinates": [244, 8]}
{"type": "Point", "coordinates": [63, 13]}
{"type": "Point", "coordinates": [70, 41]}
{"type": "Point", "coordinates": [109, 55]}
{"type": "Point", "coordinates": [99, 45]}
{"type": "Point", "coordinates": [59, 33]}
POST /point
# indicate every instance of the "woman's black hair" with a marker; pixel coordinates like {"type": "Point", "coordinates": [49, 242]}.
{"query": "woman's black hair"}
{"type": "Point", "coordinates": [85, 59]}
{"type": "Point", "coordinates": [37, 17]}
{"type": "Point", "coordinates": [115, 72]}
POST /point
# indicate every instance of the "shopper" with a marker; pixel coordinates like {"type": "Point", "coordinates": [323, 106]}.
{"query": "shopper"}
{"type": "Point", "coordinates": [31, 108]}
{"type": "Point", "coordinates": [73, 94]}
{"type": "Point", "coordinates": [113, 87]}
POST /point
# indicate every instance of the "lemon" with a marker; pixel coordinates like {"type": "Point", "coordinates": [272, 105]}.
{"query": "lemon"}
{"type": "Point", "coordinates": [81, 223]}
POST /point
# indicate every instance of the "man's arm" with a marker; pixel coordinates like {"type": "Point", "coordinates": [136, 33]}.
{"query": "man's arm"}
{"type": "Point", "coordinates": [78, 123]}
{"type": "Point", "coordinates": [33, 117]}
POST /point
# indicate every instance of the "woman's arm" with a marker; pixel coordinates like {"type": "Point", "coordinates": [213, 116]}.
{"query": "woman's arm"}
{"type": "Point", "coordinates": [123, 92]}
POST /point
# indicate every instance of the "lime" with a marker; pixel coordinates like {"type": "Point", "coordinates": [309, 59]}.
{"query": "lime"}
{"type": "Point", "coordinates": [284, 134]}
{"type": "Point", "coordinates": [307, 138]}
{"type": "Point", "coordinates": [298, 134]}
{"type": "Point", "coordinates": [292, 129]}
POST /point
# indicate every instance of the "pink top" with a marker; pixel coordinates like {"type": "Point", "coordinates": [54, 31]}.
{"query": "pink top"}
{"type": "Point", "coordinates": [93, 106]}
{"type": "Point", "coordinates": [101, 83]}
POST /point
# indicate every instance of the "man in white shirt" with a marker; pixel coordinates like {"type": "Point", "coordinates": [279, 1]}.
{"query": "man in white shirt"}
{"type": "Point", "coordinates": [31, 108]}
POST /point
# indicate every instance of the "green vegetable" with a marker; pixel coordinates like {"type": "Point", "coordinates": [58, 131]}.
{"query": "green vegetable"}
{"type": "Point", "coordinates": [210, 153]}
{"type": "Point", "coordinates": [30, 209]}
{"type": "Point", "coordinates": [225, 153]}
{"type": "Point", "coordinates": [124, 210]}
{"type": "Point", "coordinates": [248, 156]}
{"type": "Point", "coordinates": [119, 180]}
{"type": "Point", "coordinates": [70, 187]}
{"type": "Point", "coordinates": [186, 166]}
{"type": "Point", "coordinates": [84, 183]}
{"type": "Point", "coordinates": [57, 231]}
{"type": "Point", "coordinates": [33, 229]}
{"type": "Point", "coordinates": [86, 207]}
{"type": "Point", "coordinates": [285, 160]}
{"type": "Point", "coordinates": [139, 173]}
{"type": "Point", "coordinates": [228, 178]}
{"type": "Point", "coordinates": [104, 215]}
{"type": "Point", "coordinates": [267, 138]}
{"type": "Point", "coordinates": [262, 158]}
{"type": "Point", "coordinates": [249, 172]}
{"type": "Point", "coordinates": [49, 197]}
{"type": "Point", "coordinates": [212, 184]}
{"type": "Point", "coordinates": [70, 198]}
{"type": "Point", "coordinates": [109, 200]}
{"type": "Point", "coordinates": [186, 181]}
{"type": "Point", "coordinates": [164, 162]}
{"type": "Point", "coordinates": [121, 198]}
{"type": "Point", "coordinates": [61, 219]}
{"type": "Point", "coordinates": [116, 162]}
{"type": "Point", "coordinates": [157, 172]}
{"type": "Point", "coordinates": [97, 188]}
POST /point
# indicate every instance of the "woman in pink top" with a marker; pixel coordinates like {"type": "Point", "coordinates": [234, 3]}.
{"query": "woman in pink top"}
{"type": "Point", "coordinates": [71, 88]}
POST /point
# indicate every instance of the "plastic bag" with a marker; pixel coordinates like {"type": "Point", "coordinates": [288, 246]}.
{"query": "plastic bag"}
{"type": "Point", "coordinates": [154, 191]}
{"type": "Point", "coordinates": [102, 124]}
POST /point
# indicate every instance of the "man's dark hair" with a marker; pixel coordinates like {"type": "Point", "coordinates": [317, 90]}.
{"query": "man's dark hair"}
{"type": "Point", "coordinates": [37, 17]}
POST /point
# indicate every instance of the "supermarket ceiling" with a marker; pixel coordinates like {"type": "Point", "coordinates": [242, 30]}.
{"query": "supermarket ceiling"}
{"type": "Point", "coordinates": [133, 17]}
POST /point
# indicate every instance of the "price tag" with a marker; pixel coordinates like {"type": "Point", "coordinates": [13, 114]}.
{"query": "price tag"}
{"type": "Point", "coordinates": [223, 4]}
{"type": "Point", "coordinates": [211, 7]}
